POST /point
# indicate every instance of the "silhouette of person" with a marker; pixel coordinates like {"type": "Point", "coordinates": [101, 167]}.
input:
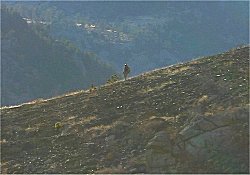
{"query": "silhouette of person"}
{"type": "Point", "coordinates": [126, 71]}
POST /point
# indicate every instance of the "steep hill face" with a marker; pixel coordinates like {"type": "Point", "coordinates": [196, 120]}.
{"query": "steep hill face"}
{"type": "Point", "coordinates": [146, 35]}
{"type": "Point", "coordinates": [186, 118]}
{"type": "Point", "coordinates": [35, 66]}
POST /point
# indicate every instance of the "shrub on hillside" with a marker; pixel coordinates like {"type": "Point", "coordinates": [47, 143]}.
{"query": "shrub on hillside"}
{"type": "Point", "coordinates": [114, 78]}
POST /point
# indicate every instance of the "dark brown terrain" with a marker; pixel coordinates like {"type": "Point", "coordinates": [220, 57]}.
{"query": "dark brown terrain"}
{"type": "Point", "coordinates": [186, 118]}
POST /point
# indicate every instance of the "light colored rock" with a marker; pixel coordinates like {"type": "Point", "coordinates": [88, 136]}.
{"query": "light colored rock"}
{"type": "Point", "coordinates": [158, 154]}
{"type": "Point", "coordinates": [160, 142]}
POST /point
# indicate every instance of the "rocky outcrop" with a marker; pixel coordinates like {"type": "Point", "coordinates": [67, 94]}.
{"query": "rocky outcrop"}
{"type": "Point", "coordinates": [203, 142]}
{"type": "Point", "coordinates": [159, 153]}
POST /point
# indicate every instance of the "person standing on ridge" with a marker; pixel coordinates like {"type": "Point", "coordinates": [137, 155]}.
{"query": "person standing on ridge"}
{"type": "Point", "coordinates": [126, 71]}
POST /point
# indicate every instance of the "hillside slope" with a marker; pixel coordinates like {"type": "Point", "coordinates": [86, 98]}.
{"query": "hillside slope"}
{"type": "Point", "coordinates": [34, 65]}
{"type": "Point", "coordinates": [186, 118]}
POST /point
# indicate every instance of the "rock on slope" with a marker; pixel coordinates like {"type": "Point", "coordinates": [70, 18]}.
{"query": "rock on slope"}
{"type": "Point", "coordinates": [186, 118]}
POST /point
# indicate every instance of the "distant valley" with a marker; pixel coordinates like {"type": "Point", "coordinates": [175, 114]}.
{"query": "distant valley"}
{"type": "Point", "coordinates": [146, 35]}
{"type": "Point", "coordinates": [36, 66]}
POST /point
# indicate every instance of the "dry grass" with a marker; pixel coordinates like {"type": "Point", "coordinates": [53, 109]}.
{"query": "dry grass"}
{"type": "Point", "coordinates": [113, 170]}
{"type": "Point", "coordinates": [181, 69]}
{"type": "Point", "coordinates": [100, 129]}
{"type": "Point", "coordinates": [32, 129]}
{"type": "Point", "coordinates": [203, 99]}
{"type": "Point", "coordinates": [86, 120]}
{"type": "Point", "coordinates": [3, 141]}
{"type": "Point", "coordinates": [175, 70]}
{"type": "Point", "coordinates": [156, 88]}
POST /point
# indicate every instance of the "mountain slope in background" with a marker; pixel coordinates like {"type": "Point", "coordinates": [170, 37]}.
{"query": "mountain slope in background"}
{"type": "Point", "coordinates": [146, 35]}
{"type": "Point", "coordinates": [186, 118]}
{"type": "Point", "coordinates": [36, 66]}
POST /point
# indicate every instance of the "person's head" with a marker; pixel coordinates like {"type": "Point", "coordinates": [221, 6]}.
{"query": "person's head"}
{"type": "Point", "coordinates": [125, 65]}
